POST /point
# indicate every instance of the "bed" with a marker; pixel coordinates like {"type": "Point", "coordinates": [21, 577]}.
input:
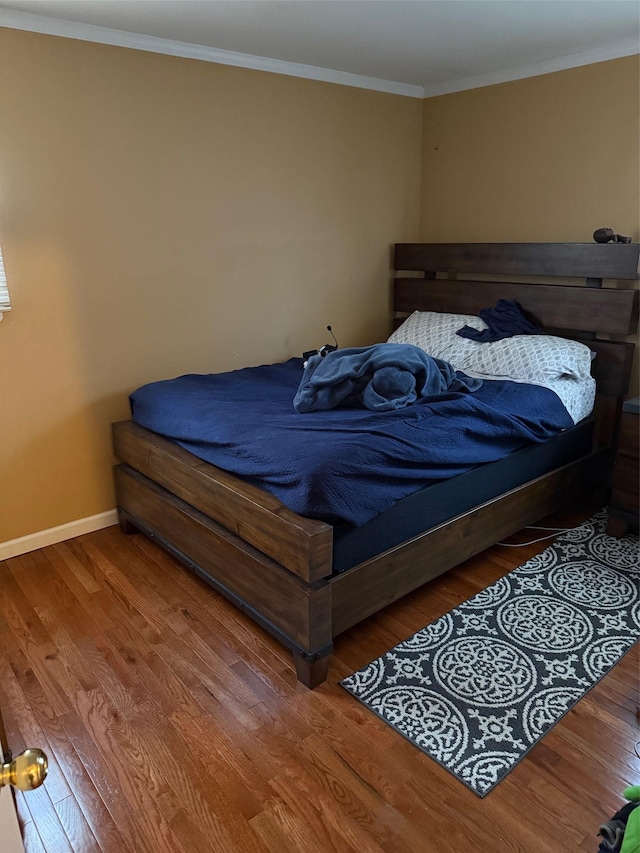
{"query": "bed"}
{"type": "Point", "coordinates": [306, 580]}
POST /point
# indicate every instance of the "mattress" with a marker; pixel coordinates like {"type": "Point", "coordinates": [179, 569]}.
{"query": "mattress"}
{"type": "Point", "coordinates": [345, 465]}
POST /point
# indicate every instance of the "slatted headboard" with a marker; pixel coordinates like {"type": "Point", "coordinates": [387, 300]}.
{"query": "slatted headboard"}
{"type": "Point", "coordinates": [582, 310]}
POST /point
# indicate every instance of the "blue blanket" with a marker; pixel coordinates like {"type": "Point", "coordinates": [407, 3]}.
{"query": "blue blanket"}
{"type": "Point", "coordinates": [504, 320]}
{"type": "Point", "coordinates": [344, 464]}
{"type": "Point", "coordinates": [380, 377]}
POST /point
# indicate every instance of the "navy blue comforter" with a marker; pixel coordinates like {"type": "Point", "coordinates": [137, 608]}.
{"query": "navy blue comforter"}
{"type": "Point", "coordinates": [344, 464]}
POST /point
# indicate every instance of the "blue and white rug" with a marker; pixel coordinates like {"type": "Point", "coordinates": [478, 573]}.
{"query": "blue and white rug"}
{"type": "Point", "coordinates": [478, 688]}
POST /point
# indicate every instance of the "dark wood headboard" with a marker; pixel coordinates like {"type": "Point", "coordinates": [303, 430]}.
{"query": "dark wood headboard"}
{"type": "Point", "coordinates": [582, 310]}
{"type": "Point", "coordinates": [580, 260]}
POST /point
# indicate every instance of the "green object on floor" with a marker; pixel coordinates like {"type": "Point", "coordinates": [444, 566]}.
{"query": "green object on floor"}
{"type": "Point", "coordinates": [631, 840]}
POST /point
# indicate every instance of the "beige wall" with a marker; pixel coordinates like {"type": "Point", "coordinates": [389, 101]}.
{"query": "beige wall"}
{"type": "Point", "coordinates": [161, 216]}
{"type": "Point", "coordinates": [549, 158]}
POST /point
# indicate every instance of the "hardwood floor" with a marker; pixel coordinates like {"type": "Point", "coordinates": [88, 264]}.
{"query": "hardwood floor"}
{"type": "Point", "coordinates": [173, 723]}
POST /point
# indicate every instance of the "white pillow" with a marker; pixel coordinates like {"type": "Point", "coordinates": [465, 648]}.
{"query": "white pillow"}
{"type": "Point", "coordinates": [435, 333]}
{"type": "Point", "coordinates": [532, 358]}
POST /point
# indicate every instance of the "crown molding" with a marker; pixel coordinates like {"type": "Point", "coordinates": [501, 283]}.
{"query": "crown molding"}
{"type": "Point", "coordinates": [549, 66]}
{"type": "Point", "coordinates": [119, 38]}
{"type": "Point", "coordinates": [136, 41]}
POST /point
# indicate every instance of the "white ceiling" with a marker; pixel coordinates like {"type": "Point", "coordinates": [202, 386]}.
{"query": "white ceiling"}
{"type": "Point", "coordinates": [415, 47]}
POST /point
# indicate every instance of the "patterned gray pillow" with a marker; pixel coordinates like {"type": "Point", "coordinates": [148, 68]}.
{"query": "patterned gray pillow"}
{"type": "Point", "coordinates": [528, 358]}
{"type": "Point", "coordinates": [435, 333]}
{"type": "Point", "coordinates": [533, 358]}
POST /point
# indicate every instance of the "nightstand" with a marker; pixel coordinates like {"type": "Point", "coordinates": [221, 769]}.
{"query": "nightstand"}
{"type": "Point", "coordinates": [625, 500]}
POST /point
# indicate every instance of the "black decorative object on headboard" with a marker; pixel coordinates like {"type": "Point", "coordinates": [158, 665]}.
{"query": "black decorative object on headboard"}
{"type": "Point", "coordinates": [608, 235]}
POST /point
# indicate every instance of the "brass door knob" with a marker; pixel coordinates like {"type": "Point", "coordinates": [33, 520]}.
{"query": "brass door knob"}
{"type": "Point", "coordinates": [26, 772]}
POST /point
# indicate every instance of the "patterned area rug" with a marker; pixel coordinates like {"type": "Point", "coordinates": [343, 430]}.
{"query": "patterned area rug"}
{"type": "Point", "coordinates": [478, 688]}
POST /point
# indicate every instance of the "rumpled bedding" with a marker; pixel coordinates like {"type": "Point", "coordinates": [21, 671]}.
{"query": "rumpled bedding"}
{"type": "Point", "coordinates": [348, 463]}
{"type": "Point", "coordinates": [504, 320]}
{"type": "Point", "coordinates": [381, 377]}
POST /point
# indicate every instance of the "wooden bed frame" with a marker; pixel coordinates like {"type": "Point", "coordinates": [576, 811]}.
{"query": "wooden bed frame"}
{"type": "Point", "coordinates": [277, 566]}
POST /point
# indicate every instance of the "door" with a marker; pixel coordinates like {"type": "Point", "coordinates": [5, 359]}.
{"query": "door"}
{"type": "Point", "coordinates": [26, 771]}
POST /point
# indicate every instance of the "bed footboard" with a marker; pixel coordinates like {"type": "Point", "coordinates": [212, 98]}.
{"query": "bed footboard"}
{"type": "Point", "coordinates": [297, 613]}
{"type": "Point", "coordinates": [304, 546]}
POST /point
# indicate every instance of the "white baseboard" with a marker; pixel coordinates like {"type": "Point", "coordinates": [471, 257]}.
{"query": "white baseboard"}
{"type": "Point", "coordinates": [15, 547]}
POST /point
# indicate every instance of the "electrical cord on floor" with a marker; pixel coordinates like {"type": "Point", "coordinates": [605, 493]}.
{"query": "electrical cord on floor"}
{"type": "Point", "coordinates": [534, 541]}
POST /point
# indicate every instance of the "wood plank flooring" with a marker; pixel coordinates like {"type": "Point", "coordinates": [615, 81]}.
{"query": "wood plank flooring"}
{"type": "Point", "coordinates": [173, 723]}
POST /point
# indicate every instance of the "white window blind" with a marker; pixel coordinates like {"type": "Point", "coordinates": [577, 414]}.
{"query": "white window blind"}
{"type": "Point", "coordinates": [5, 304]}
